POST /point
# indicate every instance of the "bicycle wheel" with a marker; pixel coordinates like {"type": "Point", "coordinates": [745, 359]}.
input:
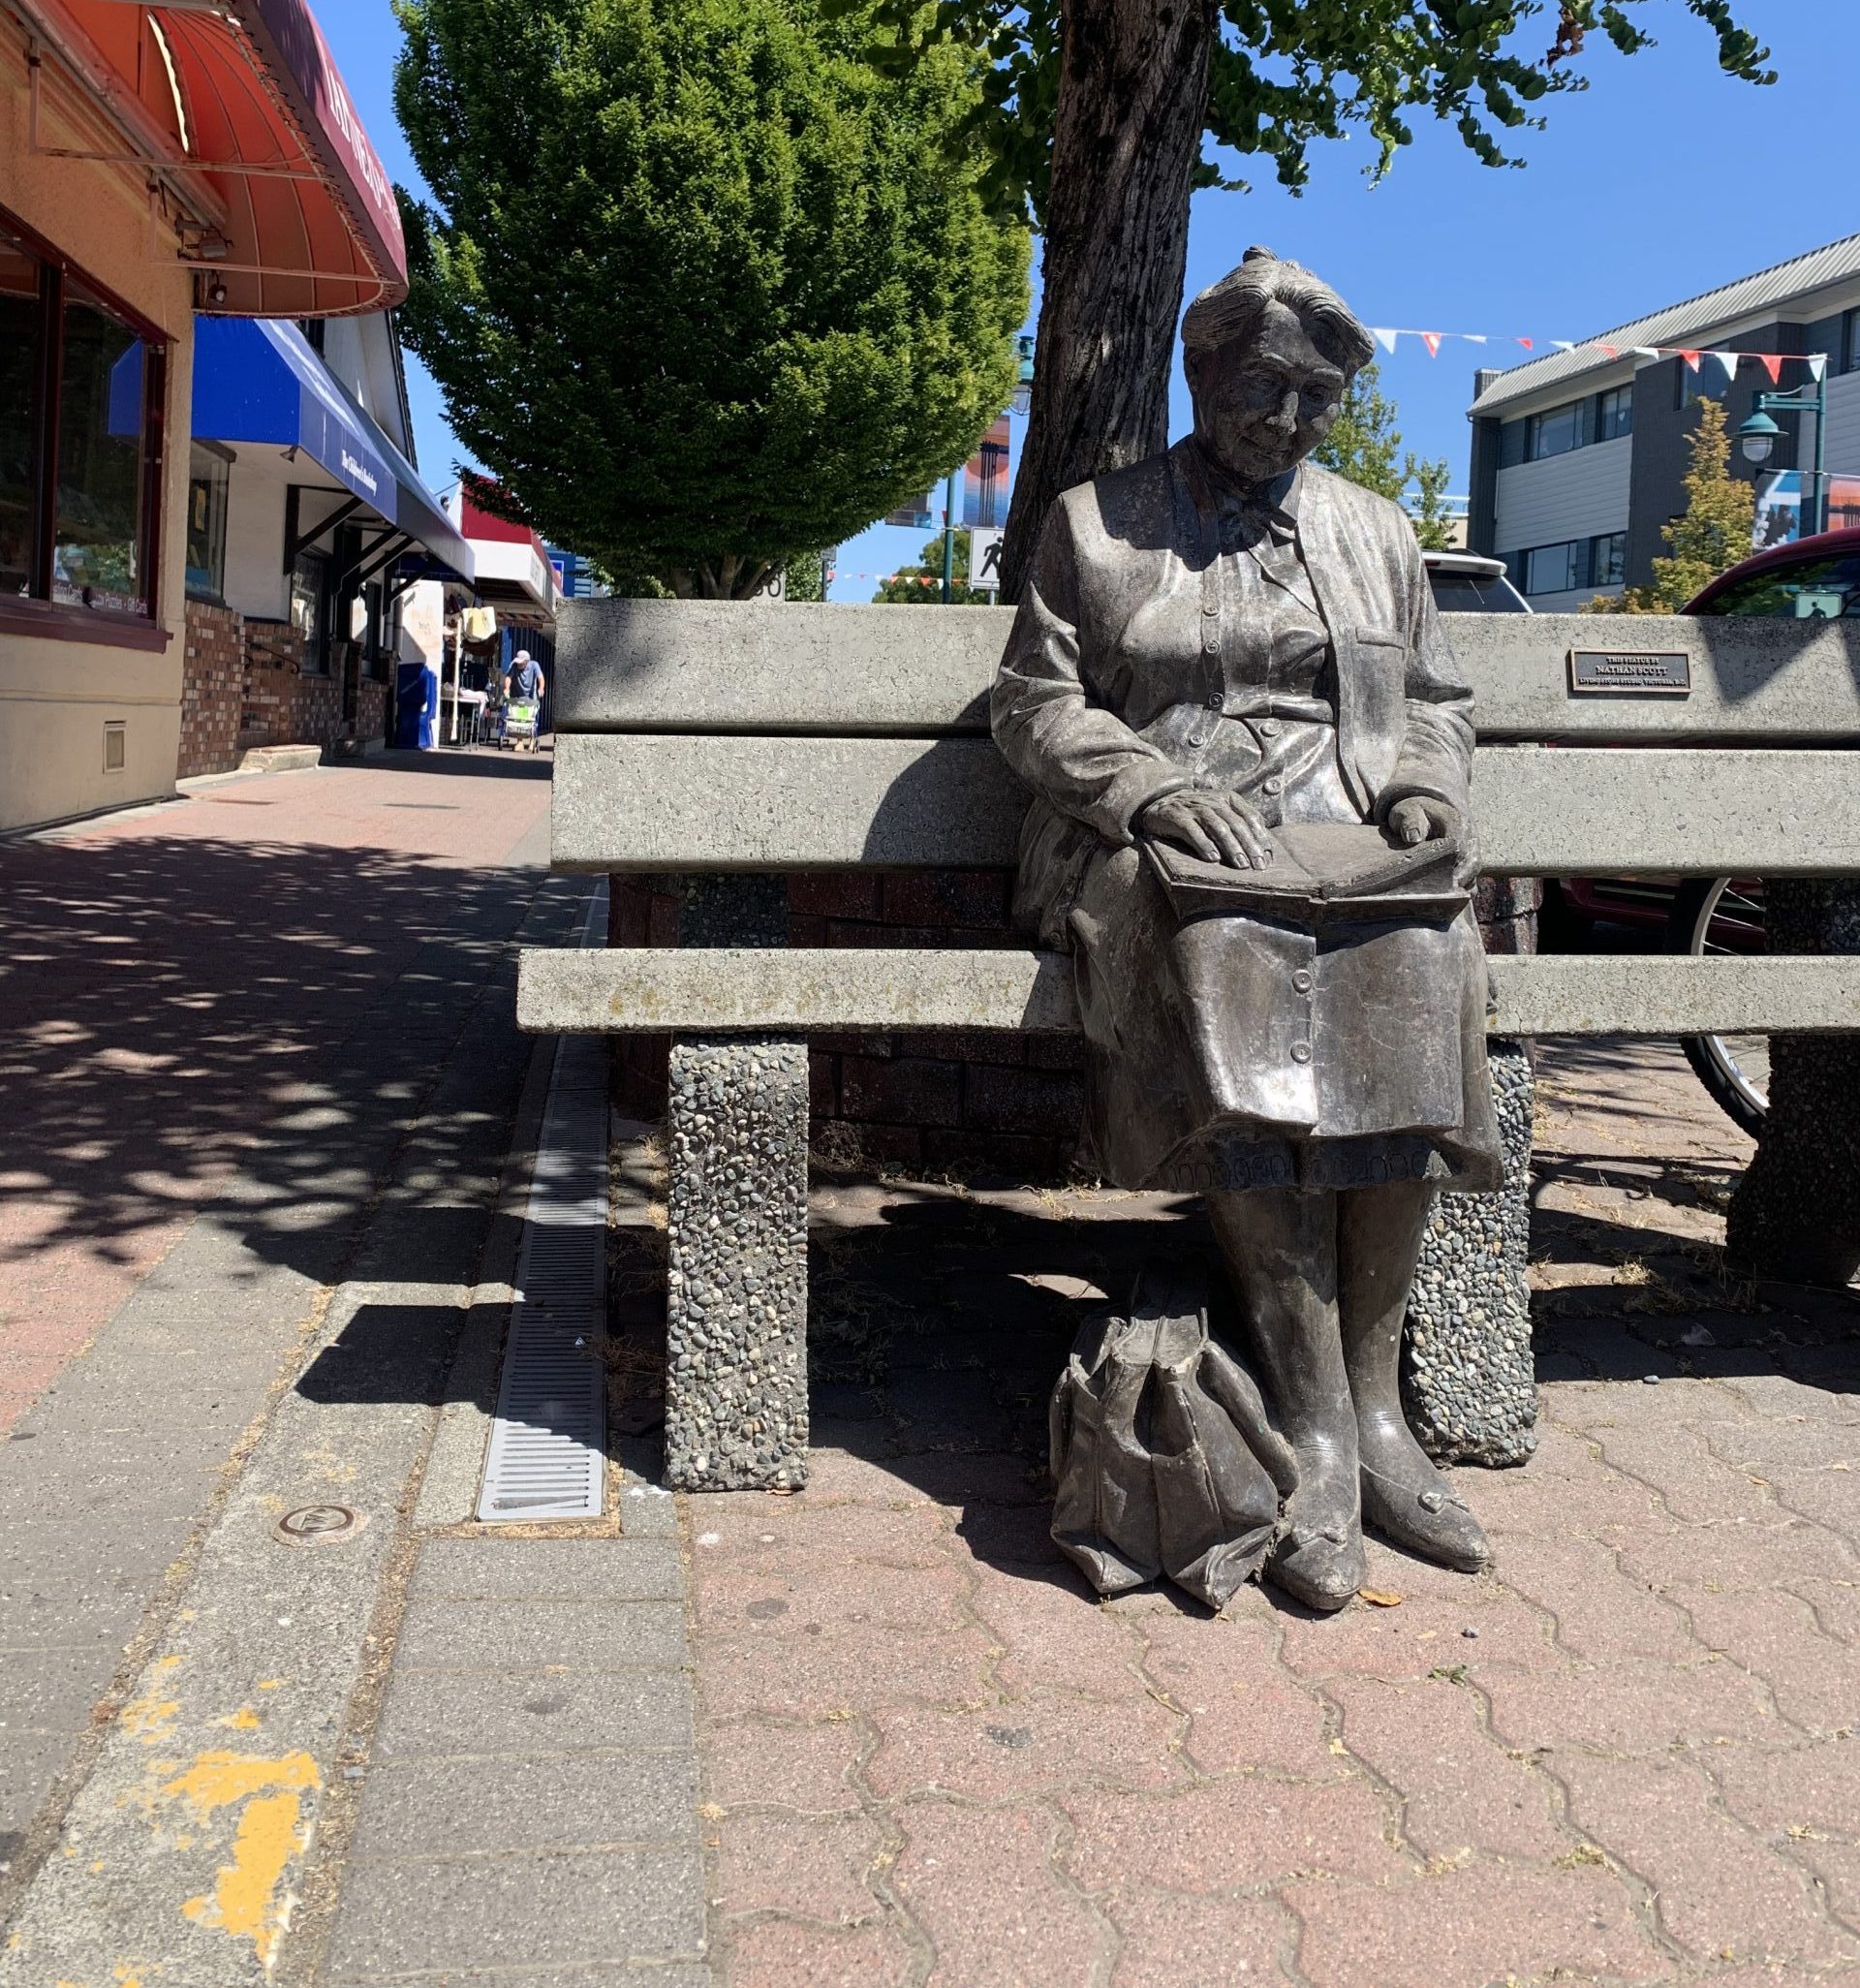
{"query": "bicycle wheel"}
{"type": "Point", "coordinates": [1714, 915]}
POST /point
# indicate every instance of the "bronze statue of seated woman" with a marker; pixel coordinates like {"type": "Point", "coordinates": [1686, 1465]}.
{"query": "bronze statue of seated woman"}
{"type": "Point", "coordinates": [1228, 688]}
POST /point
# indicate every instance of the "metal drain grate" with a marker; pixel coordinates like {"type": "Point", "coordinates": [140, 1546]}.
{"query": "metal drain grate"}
{"type": "Point", "coordinates": [546, 1458]}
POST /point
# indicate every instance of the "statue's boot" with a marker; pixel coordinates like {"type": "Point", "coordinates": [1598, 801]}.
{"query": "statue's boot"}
{"type": "Point", "coordinates": [1281, 1246]}
{"type": "Point", "coordinates": [1404, 1497]}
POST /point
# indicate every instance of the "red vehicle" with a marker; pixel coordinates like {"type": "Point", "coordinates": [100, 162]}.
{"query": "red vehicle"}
{"type": "Point", "coordinates": [1809, 579]}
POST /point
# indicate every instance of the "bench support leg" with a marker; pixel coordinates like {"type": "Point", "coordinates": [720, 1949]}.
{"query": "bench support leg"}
{"type": "Point", "coordinates": [736, 1308]}
{"type": "Point", "coordinates": [1796, 1212]}
{"type": "Point", "coordinates": [1468, 1381]}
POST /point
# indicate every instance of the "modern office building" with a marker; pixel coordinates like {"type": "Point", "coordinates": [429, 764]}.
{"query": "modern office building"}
{"type": "Point", "coordinates": [1578, 455]}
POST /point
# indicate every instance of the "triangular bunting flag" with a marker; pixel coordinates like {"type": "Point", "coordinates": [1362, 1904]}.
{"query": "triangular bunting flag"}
{"type": "Point", "coordinates": [1727, 360]}
{"type": "Point", "coordinates": [1613, 350]}
{"type": "Point", "coordinates": [1818, 364]}
{"type": "Point", "coordinates": [1772, 364]}
{"type": "Point", "coordinates": [1473, 337]}
{"type": "Point", "coordinates": [1691, 358]}
{"type": "Point", "coordinates": [1529, 343]}
{"type": "Point", "coordinates": [1564, 344]}
{"type": "Point", "coordinates": [1650, 352]}
{"type": "Point", "coordinates": [1383, 337]}
{"type": "Point", "coordinates": [1432, 340]}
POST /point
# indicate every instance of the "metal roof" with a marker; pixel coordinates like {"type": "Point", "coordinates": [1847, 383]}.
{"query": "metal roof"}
{"type": "Point", "coordinates": [1682, 324]}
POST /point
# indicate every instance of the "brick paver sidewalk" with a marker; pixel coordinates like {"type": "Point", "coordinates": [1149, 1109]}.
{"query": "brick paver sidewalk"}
{"type": "Point", "coordinates": [1629, 1754]}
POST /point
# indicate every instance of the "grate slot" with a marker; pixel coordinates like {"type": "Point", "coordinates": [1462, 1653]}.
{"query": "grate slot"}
{"type": "Point", "coordinates": [546, 1458]}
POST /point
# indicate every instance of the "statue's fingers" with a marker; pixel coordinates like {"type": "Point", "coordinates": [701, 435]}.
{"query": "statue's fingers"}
{"type": "Point", "coordinates": [1234, 853]}
{"type": "Point", "coordinates": [1252, 832]}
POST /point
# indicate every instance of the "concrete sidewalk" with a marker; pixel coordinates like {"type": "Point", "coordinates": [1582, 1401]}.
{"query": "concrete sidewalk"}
{"type": "Point", "coordinates": [230, 1032]}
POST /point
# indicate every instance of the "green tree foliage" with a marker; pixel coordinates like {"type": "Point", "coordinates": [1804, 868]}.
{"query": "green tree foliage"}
{"type": "Point", "coordinates": [1709, 536]}
{"type": "Point", "coordinates": [1365, 444]}
{"type": "Point", "coordinates": [807, 577]}
{"type": "Point", "coordinates": [916, 585]}
{"type": "Point", "coordinates": [703, 290]}
{"type": "Point", "coordinates": [1283, 72]}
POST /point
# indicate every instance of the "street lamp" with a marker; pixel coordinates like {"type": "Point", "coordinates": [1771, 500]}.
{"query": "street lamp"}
{"type": "Point", "coordinates": [1757, 437]}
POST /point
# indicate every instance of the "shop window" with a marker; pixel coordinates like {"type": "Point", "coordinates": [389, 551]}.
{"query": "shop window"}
{"type": "Point", "coordinates": [310, 608]}
{"type": "Point", "coordinates": [20, 357]}
{"type": "Point", "coordinates": [207, 480]}
{"type": "Point", "coordinates": [81, 398]}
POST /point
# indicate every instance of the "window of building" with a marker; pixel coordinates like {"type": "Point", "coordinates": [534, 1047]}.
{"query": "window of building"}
{"type": "Point", "coordinates": [1554, 433]}
{"type": "Point", "coordinates": [1614, 412]}
{"type": "Point", "coordinates": [1557, 568]}
{"type": "Point", "coordinates": [81, 398]}
{"type": "Point", "coordinates": [1849, 356]}
{"type": "Point", "coordinates": [1610, 560]}
{"type": "Point", "coordinates": [309, 607]}
{"type": "Point", "coordinates": [208, 480]}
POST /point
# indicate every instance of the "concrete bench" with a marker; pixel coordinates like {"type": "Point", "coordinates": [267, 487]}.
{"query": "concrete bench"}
{"type": "Point", "coordinates": [733, 744]}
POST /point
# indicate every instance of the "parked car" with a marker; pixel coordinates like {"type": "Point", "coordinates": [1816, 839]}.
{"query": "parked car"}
{"type": "Point", "coordinates": [1471, 583]}
{"type": "Point", "coordinates": [1810, 580]}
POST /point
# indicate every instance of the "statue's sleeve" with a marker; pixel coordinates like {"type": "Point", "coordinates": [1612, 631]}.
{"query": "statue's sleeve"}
{"type": "Point", "coordinates": [1436, 758]}
{"type": "Point", "coordinates": [1080, 756]}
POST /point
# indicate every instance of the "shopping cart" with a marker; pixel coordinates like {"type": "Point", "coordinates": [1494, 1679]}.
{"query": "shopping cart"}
{"type": "Point", "coordinates": [520, 717]}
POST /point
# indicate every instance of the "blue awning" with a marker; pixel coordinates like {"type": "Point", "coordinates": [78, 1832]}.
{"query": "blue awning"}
{"type": "Point", "coordinates": [258, 379]}
{"type": "Point", "coordinates": [443, 553]}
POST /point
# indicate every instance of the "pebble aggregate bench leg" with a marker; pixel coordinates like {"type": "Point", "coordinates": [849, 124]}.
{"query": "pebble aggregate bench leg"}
{"type": "Point", "coordinates": [736, 1212]}
{"type": "Point", "coordinates": [736, 1306]}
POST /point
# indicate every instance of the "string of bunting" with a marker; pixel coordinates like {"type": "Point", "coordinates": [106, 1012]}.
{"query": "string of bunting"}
{"type": "Point", "coordinates": [1695, 357]}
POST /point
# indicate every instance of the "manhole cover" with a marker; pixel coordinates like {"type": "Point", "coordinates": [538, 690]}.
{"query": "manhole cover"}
{"type": "Point", "coordinates": [318, 1522]}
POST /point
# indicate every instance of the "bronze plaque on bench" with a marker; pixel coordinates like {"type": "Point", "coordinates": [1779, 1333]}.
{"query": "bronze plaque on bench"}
{"type": "Point", "coordinates": [1630, 673]}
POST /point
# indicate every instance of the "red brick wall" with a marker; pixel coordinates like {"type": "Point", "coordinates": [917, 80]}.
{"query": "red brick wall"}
{"type": "Point", "coordinates": [968, 1101]}
{"type": "Point", "coordinates": [212, 684]}
{"type": "Point", "coordinates": [282, 705]}
{"type": "Point", "coordinates": [371, 710]}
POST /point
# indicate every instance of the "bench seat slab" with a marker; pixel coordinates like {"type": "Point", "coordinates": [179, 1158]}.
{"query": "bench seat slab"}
{"type": "Point", "coordinates": [800, 989]}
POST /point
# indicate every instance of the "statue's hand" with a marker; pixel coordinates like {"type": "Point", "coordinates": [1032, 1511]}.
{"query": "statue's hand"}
{"type": "Point", "coordinates": [1421, 819]}
{"type": "Point", "coordinates": [1216, 827]}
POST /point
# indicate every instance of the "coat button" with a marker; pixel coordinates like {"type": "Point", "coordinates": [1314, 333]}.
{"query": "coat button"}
{"type": "Point", "coordinates": [1301, 1052]}
{"type": "Point", "coordinates": [1268, 728]}
{"type": "Point", "coordinates": [1217, 699]}
{"type": "Point", "coordinates": [1272, 784]}
{"type": "Point", "coordinates": [1301, 980]}
{"type": "Point", "coordinates": [1198, 739]}
{"type": "Point", "coordinates": [1211, 642]}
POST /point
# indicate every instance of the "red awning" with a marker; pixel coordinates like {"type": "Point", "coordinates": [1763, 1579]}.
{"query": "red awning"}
{"type": "Point", "coordinates": [243, 105]}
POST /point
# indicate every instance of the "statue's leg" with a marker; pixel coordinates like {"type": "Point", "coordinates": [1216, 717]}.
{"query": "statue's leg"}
{"type": "Point", "coordinates": [1281, 1246]}
{"type": "Point", "coordinates": [1404, 1497]}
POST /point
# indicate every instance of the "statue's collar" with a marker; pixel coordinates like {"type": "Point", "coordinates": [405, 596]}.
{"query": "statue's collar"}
{"type": "Point", "coordinates": [1274, 504]}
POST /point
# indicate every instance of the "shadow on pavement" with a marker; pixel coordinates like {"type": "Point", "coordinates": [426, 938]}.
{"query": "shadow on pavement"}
{"type": "Point", "coordinates": [182, 1010]}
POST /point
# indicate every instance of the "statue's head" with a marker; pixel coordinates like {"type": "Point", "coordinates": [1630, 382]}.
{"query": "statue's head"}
{"type": "Point", "coordinates": [1269, 351]}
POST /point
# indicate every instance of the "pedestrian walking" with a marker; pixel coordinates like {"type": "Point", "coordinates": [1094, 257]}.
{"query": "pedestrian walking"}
{"type": "Point", "coordinates": [524, 687]}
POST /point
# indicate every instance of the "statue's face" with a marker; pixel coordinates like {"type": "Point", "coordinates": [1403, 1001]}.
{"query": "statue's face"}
{"type": "Point", "coordinates": [1263, 406]}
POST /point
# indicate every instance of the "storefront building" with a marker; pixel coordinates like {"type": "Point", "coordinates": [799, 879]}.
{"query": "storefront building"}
{"type": "Point", "coordinates": [157, 165]}
{"type": "Point", "coordinates": [518, 589]}
{"type": "Point", "coordinates": [308, 526]}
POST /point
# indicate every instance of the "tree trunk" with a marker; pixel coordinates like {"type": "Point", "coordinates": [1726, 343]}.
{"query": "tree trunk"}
{"type": "Point", "coordinates": [1127, 133]}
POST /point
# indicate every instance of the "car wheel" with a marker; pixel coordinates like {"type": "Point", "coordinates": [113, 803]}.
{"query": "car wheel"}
{"type": "Point", "coordinates": [1734, 1068]}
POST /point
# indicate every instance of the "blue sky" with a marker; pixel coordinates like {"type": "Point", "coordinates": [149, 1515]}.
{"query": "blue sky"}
{"type": "Point", "coordinates": [1662, 179]}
